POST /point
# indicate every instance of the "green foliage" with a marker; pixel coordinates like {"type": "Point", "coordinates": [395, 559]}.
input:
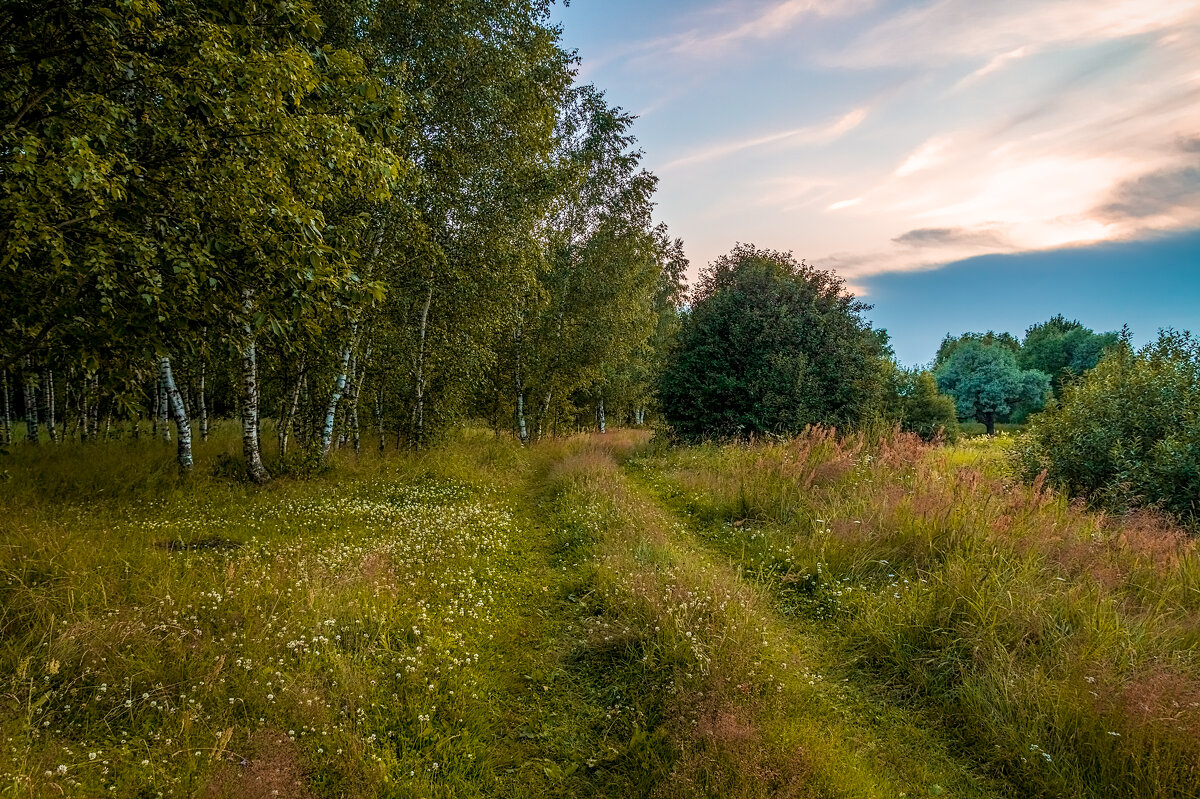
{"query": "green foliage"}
{"type": "Point", "coordinates": [989, 339]}
{"type": "Point", "coordinates": [1063, 349]}
{"type": "Point", "coordinates": [389, 204]}
{"type": "Point", "coordinates": [912, 399]}
{"type": "Point", "coordinates": [986, 382]}
{"type": "Point", "coordinates": [770, 345]}
{"type": "Point", "coordinates": [1044, 640]}
{"type": "Point", "coordinates": [157, 160]}
{"type": "Point", "coordinates": [1128, 432]}
{"type": "Point", "coordinates": [581, 333]}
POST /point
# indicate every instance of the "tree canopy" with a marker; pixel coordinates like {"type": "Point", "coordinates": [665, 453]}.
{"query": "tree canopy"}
{"type": "Point", "coordinates": [1127, 433]}
{"type": "Point", "coordinates": [1063, 349]}
{"type": "Point", "coordinates": [770, 345]}
{"type": "Point", "coordinates": [986, 382]}
{"type": "Point", "coordinates": [298, 208]}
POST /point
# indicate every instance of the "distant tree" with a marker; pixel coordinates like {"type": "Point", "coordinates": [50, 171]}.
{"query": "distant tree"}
{"type": "Point", "coordinates": [989, 339]}
{"type": "Point", "coordinates": [986, 382]}
{"type": "Point", "coordinates": [770, 345]}
{"type": "Point", "coordinates": [1063, 349]}
{"type": "Point", "coordinates": [1127, 433]}
{"type": "Point", "coordinates": [912, 399]}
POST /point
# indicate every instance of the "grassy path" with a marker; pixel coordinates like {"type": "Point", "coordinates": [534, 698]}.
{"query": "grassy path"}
{"type": "Point", "coordinates": [572, 620]}
{"type": "Point", "coordinates": [706, 688]}
{"type": "Point", "coordinates": [871, 745]}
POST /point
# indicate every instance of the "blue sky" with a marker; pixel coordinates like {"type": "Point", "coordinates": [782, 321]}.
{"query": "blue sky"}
{"type": "Point", "coordinates": [964, 164]}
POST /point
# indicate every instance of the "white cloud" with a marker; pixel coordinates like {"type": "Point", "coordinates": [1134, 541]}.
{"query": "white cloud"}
{"type": "Point", "coordinates": [995, 65]}
{"type": "Point", "coordinates": [952, 30]}
{"type": "Point", "coordinates": [809, 135]}
{"type": "Point", "coordinates": [773, 20]}
{"type": "Point", "coordinates": [929, 154]}
{"type": "Point", "coordinates": [841, 204]}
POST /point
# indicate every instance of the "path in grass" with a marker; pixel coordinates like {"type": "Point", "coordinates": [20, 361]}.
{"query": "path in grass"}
{"type": "Point", "coordinates": [871, 745]}
{"type": "Point", "coordinates": [710, 690]}
{"type": "Point", "coordinates": [478, 621]}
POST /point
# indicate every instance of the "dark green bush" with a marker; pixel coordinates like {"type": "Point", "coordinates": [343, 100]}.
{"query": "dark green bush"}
{"type": "Point", "coordinates": [912, 399]}
{"type": "Point", "coordinates": [771, 345]}
{"type": "Point", "coordinates": [1127, 433]}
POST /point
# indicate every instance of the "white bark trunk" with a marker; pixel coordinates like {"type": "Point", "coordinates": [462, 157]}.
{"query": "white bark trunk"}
{"type": "Point", "coordinates": [600, 415]}
{"type": "Point", "coordinates": [178, 410]}
{"type": "Point", "coordinates": [31, 409]}
{"type": "Point", "coordinates": [6, 429]}
{"type": "Point", "coordinates": [379, 419]}
{"type": "Point", "coordinates": [339, 386]}
{"type": "Point", "coordinates": [419, 374]}
{"type": "Point", "coordinates": [94, 405]}
{"type": "Point", "coordinates": [251, 447]}
{"type": "Point", "coordinates": [289, 415]}
{"type": "Point", "coordinates": [48, 404]}
{"type": "Point", "coordinates": [202, 403]}
{"type": "Point", "coordinates": [84, 411]}
{"type": "Point", "coordinates": [518, 384]}
{"type": "Point", "coordinates": [164, 429]}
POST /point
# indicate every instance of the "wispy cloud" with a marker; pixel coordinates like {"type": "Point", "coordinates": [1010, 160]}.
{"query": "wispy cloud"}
{"type": "Point", "coordinates": [972, 127]}
{"type": "Point", "coordinates": [772, 20]}
{"type": "Point", "coordinates": [802, 136]}
{"type": "Point", "coordinates": [950, 30]}
{"type": "Point", "coordinates": [1094, 148]}
{"type": "Point", "coordinates": [995, 65]}
{"type": "Point", "coordinates": [990, 238]}
{"type": "Point", "coordinates": [929, 154]}
{"type": "Point", "coordinates": [841, 204]}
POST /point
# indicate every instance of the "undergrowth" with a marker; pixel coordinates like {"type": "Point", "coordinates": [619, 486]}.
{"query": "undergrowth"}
{"type": "Point", "coordinates": [1058, 646]}
{"type": "Point", "coordinates": [832, 616]}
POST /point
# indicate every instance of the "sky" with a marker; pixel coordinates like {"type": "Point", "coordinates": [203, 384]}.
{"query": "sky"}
{"type": "Point", "coordinates": [963, 164]}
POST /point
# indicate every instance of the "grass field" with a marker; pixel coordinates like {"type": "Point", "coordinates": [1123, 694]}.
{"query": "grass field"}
{"type": "Point", "coordinates": [598, 616]}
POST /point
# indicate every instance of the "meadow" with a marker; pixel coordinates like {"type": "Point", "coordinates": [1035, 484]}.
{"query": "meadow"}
{"type": "Point", "coordinates": [602, 615]}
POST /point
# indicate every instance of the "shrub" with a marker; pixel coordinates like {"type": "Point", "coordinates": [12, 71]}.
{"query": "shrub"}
{"type": "Point", "coordinates": [1128, 432]}
{"type": "Point", "coordinates": [913, 400]}
{"type": "Point", "coordinates": [771, 345]}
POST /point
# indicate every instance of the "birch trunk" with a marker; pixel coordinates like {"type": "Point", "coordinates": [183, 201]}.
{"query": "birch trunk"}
{"type": "Point", "coordinates": [94, 405]}
{"type": "Point", "coordinates": [48, 404]}
{"type": "Point", "coordinates": [31, 409]}
{"type": "Point", "coordinates": [379, 419]}
{"type": "Point", "coordinates": [519, 385]}
{"type": "Point", "coordinates": [289, 414]}
{"type": "Point", "coordinates": [419, 372]}
{"type": "Point", "coordinates": [84, 412]}
{"type": "Point", "coordinates": [348, 400]}
{"type": "Point", "coordinates": [203, 405]}
{"type": "Point", "coordinates": [6, 429]}
{"type": "Point", "coordinates": [360, 377]}
{"type": "Point", "coordinates": [355, 439]}
{"type": "Point", "coordinates": [339, 387]}
{"type": "Point", "coordinates": [164, 428]}
{"type": "Point", "coordinates": [600, 414]}
{"type": "Point", "coordinates": [544, 412]}
{"type": "Point", "coordinates": [251, 448]}
{"type": "Point", "coordinates": [183, 427]}
{"type": "Point", "coordinates": [522, 432]}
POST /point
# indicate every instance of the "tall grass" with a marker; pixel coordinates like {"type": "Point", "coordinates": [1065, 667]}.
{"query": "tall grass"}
{"type": "Point", "coordinates": [343, 636]}
{"type": "Point", "coordinates": [1060, 645]}
{"type": "Point", "coordinates": [726, 699]}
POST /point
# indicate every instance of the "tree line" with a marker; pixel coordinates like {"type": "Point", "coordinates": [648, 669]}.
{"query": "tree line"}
{"type": "Point", "coordinates": [347, 215]}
